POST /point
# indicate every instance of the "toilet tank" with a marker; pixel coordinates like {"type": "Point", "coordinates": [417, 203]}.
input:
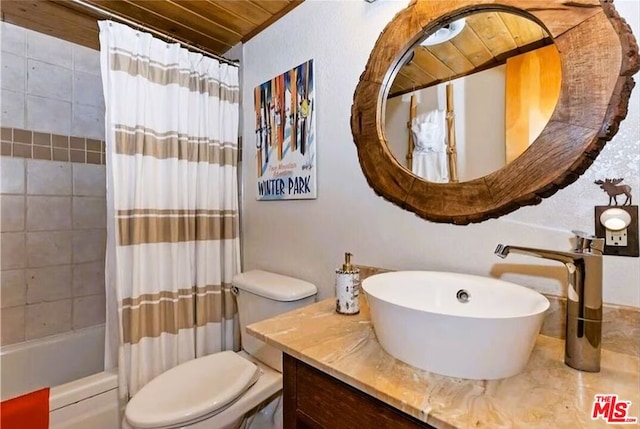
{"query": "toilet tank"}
{"type": "Point", "coordinates": [262, 295]}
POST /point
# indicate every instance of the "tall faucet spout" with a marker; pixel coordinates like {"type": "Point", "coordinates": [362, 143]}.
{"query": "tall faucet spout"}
{"type": "Point", "coordinates": [584, 298]}
{"type": "Point", "coordinates": [565, 257]}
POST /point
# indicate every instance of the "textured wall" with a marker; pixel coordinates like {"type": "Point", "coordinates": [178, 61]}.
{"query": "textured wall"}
{"type": "Point", "coordinates": [307, 238]}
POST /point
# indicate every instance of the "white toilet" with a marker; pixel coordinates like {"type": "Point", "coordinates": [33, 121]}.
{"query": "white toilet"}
{"type": "Point", "coordinates": [216, 391]}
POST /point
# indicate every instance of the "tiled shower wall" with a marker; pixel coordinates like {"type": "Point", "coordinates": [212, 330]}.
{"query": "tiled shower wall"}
{"type": "Point", "coordinates": [52, 187]}
{"type": "Point", "coordinates": [50, 85]}
{"type": "Point", "coordinates": [53, 235]}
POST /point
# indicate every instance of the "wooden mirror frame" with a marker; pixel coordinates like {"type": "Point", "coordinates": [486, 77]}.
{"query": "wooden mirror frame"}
{"type": "Point", "coordinates": [599, 55]}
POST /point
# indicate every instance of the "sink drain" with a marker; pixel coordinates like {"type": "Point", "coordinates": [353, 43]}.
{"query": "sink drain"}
{"type": "Point", "coordinates": [463, 296]}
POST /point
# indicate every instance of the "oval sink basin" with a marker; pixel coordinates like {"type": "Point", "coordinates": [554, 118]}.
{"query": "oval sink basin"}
{"type": "Point", "coordinates": [457, 325]}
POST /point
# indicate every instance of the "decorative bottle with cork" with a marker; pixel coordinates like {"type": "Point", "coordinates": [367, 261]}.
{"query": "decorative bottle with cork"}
{"type": "Point", "coordinates": [347, 287]}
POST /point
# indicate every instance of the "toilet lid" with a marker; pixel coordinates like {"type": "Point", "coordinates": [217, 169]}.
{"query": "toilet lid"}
{"type": "Point", "coordinates": [191, 390]}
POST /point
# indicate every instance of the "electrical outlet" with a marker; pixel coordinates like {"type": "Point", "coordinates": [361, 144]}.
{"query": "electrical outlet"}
{"type": "Point", "coordinates": [624, 242]}
{"type": "Point", "coordinates": [616, 238]}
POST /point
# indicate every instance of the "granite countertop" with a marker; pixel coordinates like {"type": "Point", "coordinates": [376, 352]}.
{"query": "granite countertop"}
{"type": "Point", "coordinates": [548, 394]}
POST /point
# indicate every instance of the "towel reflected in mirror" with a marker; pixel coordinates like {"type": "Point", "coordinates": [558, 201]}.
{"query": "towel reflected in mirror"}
{"type": "Point", "coordinates": [430, 146]}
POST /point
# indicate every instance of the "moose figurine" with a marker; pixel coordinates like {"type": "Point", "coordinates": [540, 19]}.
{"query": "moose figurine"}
{"type": "Point", "coordinates": [613, 189]}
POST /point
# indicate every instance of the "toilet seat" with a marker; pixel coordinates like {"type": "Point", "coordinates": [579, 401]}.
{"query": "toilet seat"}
{"type": "Point", "coordinates": [192, 391]}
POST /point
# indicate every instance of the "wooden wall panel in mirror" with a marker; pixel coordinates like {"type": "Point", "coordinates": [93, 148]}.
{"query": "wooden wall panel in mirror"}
{"type": "Point", "coordinates": [504, 103]}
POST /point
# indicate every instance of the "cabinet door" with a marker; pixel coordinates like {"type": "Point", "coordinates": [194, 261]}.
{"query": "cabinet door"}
{"type": "Point", "coordinates": [315, 400]}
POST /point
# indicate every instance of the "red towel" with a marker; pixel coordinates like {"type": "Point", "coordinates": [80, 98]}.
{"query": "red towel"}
{"type": "Point", "coordinates": [26, 411]}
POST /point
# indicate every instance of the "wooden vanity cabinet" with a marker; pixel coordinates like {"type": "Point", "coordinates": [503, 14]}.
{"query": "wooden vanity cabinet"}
{"type": "Point", "coordinates": [315, 400]}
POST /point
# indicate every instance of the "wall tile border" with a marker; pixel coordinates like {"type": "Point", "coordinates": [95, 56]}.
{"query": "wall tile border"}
{"type": "Point", "coordinates": [20, 143]}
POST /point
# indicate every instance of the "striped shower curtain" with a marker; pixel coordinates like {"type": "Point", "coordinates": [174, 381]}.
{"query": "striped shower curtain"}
{"type": "Point", "coordinates": [172, 235]}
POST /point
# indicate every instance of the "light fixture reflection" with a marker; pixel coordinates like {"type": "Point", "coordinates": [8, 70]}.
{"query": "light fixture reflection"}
{"type": "Point", "coordinates": [445, 33]}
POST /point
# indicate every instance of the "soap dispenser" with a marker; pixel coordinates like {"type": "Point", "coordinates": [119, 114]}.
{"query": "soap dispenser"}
{"type": "Point", "coordinates": [347, 287]}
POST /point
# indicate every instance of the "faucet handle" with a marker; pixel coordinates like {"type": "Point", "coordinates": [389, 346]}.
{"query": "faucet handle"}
{"type": "Point", "coordinates": [588, 243]}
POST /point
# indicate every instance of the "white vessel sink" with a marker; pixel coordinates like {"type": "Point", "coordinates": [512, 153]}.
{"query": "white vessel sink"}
{"type": "Point", "coordinates": [420, 317]}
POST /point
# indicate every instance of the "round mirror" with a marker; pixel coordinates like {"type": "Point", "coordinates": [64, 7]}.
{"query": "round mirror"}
{"type": "Point", "coordinates": [597, 54]}
{"type": "Point", "coordinates": [471, 96]}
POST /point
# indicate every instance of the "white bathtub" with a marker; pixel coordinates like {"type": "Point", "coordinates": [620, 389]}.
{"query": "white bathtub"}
{"type": "Point", "coordinates": [71, 364]}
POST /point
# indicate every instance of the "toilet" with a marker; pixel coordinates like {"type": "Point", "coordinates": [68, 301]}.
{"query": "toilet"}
{"type": "Point", "coordinates": [216, 391]}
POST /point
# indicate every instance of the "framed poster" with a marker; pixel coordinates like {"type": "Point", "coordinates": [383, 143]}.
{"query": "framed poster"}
{"type": "Point", "coordinates": [286, 135]}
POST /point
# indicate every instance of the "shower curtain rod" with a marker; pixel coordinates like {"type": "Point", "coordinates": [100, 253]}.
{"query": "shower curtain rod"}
{"type": "Point", "coordinates": [154, 32]}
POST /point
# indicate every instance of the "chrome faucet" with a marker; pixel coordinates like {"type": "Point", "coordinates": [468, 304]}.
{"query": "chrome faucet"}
{"type": "Point", "coordinates": [584, 297]}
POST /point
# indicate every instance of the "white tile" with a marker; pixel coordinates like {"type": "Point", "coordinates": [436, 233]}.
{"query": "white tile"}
{"type": "Point", "coordinates": [86, 59]}
{"type": "Point", "coordinates": [87, 89]}
{"type": "Point", "coordinates": [48, 213]}
{"type": "Point", "coordinates": [48, 80]}
{"type": "Point", "coordinates": [48, 115]}
{"type": "Point", "coordinates": [11, 213]}
{"type": "Point", "coordinates": [48, 248]}
{"type": "Point", "coordinates": [14, 39]}
{"type": "Point", "coordinates": [88, 121]}
{"type": "Point", "coordinates": [47, 318]}
{"type": "Point", "coordinates": [88, 279]}
{"type": "Point", "coordinates": [89, 180]}
{"type": "Point", "coordinates": [12, 250]}
{"type": "Point", "coordinates": [49, 49]}
{"type": "Point", "coordinates": [13, 326]}
{"type": "Point", "coordinates": [12, 175]}
{"type": "Point", "coordinates": [48, 283]}
{"type": "Point", "coordinates": [88, 311]}
{"type": "Point", "coordinates": [13, 72]}
{"type": "Point", "coordinates": [48, 177]}
{"type": "Point", "coordinates": [89, 212]}
{"type": "Point", "coordinates": [13, 288]}
{"type": "Point", "coordinates": [89, 245]}
{"type": "Point", "coordinates": [13, 111]}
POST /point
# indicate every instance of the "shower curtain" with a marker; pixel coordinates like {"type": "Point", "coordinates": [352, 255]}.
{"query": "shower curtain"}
{"type": "Point", "coordinates": [172, 204]}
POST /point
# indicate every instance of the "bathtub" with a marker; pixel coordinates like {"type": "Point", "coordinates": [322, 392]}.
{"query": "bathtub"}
{"type": "Point", "coordinates": [82, 395]}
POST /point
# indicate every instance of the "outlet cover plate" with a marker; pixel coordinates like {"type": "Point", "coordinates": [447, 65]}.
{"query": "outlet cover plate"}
{"type": "Point", "coordinates": [631, 249]}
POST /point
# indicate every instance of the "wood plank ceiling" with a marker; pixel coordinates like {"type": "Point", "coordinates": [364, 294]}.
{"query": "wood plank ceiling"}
{"type": "Point", "coordinates": [212, 25]}
{"type": "Point", "coordinates": [486, 41]}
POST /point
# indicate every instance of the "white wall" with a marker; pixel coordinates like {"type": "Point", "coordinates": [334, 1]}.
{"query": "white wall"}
{"type": "Point", "coordinates": [395, 127]}
{"type": "Point", "coordinates": [484, 123]}
{"type": "Point", "coordinates": [306, 239]}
